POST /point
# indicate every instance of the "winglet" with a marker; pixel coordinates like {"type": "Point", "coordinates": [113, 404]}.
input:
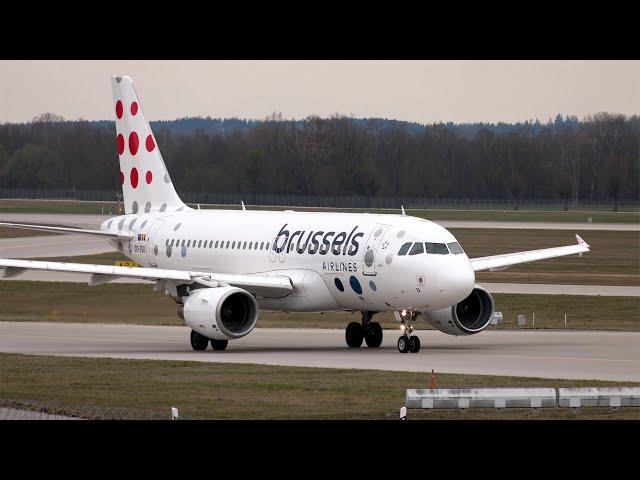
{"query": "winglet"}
{"type": "Point", "coordinates": [581, 241]}
{"type": "Point", "coordinates": [243, 207]}
{"type": "Point", "coordinates": [404, 214]}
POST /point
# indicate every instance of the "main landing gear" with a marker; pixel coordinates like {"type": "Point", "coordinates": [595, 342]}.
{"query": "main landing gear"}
{"type": "Point", "coordinates": [200, 342]}
{"type": "Point", "coordinates": [367, 331]}
{"type": "Point", "coordinates": [407, 341]}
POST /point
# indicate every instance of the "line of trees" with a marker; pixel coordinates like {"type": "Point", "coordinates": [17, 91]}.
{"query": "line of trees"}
{"type": "Point", "coordinates": [595, 159]}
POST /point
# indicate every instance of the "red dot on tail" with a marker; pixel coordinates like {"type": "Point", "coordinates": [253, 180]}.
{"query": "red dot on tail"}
{"type": "Point", "coordinates": [119, 109]}
{"type": "Point", "coordinates": [134, 177]}
{"type": "Point", "coordinates": [134, 143]}
{"type": "Point", "coordinates": [121, 178]}
{"type": "Point", "coordinates": [149, 176]}
{"type": "Point", "coordinates": [134, 108]}
{"type": "Point", "coordinates": [120, 144]}
{"type": "Point", "coordinates": [150, 143]}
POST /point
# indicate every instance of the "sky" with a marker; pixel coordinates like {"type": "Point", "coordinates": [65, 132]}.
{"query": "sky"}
{"type": "Point", "coordinates": [420, 91]}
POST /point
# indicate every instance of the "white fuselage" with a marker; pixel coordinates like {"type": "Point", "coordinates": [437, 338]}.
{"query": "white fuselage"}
{"type": "Point", "coordinates": [336, 261]}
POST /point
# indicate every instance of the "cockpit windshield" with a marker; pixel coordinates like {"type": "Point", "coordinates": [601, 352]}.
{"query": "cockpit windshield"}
{"type": "Point", "coordinates": [437, 248]}
{"type": "Point", "coordinates": [404, 248]}
{"type": "Point", "coordinates": [417, 249]}
{"type": "Point", "coordinates": [455, 248]}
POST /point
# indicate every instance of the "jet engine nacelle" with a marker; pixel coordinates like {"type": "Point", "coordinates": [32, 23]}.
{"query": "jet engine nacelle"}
{"type": "Point", "coordinates": [471, 315]}
{"type": "Point", "coordinates": [221, 313]}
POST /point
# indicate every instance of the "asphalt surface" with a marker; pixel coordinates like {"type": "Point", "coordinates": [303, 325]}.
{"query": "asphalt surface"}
{"type": "Point", "coordinates": [93, 221]}
{"type": "Point", "coordinates": [591, 355]}
{"type": "Point", "coordinates": [53, 246]}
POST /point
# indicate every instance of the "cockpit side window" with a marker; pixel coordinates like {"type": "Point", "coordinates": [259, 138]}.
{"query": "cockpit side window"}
{"type": "Point", "coordinates": [436, 248]}
{"type": "Point", "coordinates": [455, 248]}
{"type": "Point", "coordinates": [404, 248]}
{"type": "Point", "coordinates": [417, 248]}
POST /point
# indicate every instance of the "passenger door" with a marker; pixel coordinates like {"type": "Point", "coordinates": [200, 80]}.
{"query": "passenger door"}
{"type": "Point", "coordinates": [372, 248]}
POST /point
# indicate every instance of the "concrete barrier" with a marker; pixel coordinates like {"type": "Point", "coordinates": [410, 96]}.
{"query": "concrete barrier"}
{"type": "Point", "coordinates": [599, 397]}
{"type": "Point", "coordinates": [481, 398]}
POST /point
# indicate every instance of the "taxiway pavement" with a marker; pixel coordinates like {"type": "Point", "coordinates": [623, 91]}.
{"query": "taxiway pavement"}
{"type": "Point", "coordinates": [601, 355]}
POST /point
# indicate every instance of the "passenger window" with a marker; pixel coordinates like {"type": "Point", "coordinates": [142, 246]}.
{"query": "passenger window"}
{"type": "Point", "coordinates": [455, 248]}
{"type": "Point", "coordinates": [233, 245]}
{"type": "Point", "coordinates": [261, 245]}
{"type": "Point", "coordinates": [417, 249]}
{"type": "Point", "coordinates": [436, 248]}
{"type": "Point", "coordinates": [189, 243]}
{"type": "Point", "coordinates": [267, 246]}
{"type": "Point", "coordinates": [244, 245]}
{"type": "Point", "coordinates": [228, 241]}
{"type": "Point", "coordinates": [216, 243]}
{"type": "Point", "coordinates": [404, 248]}
{"type": "Point", "coordinates": [199, 243]}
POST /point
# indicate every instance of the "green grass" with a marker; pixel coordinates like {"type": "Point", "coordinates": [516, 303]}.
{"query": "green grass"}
{"type": "Point", "coordinates": [137, 304]}
{"type": "Point", "coordinates": [145, 389]}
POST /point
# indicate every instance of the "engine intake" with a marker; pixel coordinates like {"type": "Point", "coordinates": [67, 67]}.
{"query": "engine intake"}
{"type": "Point", "coordinates": [221, 313]}
{"type": "Point", "coordinates": [470, 316]}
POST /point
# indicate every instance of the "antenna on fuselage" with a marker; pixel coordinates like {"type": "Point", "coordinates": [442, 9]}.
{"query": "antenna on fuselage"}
{"type": "Point", "coordinates": [243, 207]}
{"type": "Point", "coordinates": [404, 214]}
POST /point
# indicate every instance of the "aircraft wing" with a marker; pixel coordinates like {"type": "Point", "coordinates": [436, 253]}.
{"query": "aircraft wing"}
{"type": "Point", "coordinates": [46, 228]}
{"type": "Point", "coordinates": [500, 262]}
{"type": "Point", "coordinates": [267, 285]}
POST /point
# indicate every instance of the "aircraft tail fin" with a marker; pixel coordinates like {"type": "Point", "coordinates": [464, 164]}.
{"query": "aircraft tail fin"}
{"type": "Point", "coordinates": [146, 185]}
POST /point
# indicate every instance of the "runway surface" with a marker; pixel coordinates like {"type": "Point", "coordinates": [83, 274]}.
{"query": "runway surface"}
{"type": "Point", "coordinates": [52, 246]}
{"type": "Point", "coordinates": [93, 221]}
{"type": "Point", "coordinates": [546, 354]}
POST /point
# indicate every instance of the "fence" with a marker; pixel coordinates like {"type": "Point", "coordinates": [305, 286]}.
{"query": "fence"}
{"type": "Point", "coordinates": [343, 201]}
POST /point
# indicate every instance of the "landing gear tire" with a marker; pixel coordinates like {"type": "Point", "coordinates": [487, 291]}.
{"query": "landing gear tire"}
{"type": "Point", "coordinates": [354, 335]}
{"type": "Point", "coordinates": [414, 344]}
{"type": "Point", "coordinates": [198, 341]}
{"type": "Point", "coordinates": [219, 344]}
{"type": "Point", "coordinates": [404, 344]}
{"type": "Point", "coordinates": [373, 335]}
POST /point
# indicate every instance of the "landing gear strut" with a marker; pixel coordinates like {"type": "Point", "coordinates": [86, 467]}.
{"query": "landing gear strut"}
{"type": "Point", "coordinates": [370, 332]}
{"type": "Point", "coordinates": [407, 341]}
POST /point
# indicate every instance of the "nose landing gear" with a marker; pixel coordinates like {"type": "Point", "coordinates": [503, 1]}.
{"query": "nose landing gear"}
{"type": "Point", "coordinates": [367, 331]}
{"type": "Point", "coordinates": [408, 342]}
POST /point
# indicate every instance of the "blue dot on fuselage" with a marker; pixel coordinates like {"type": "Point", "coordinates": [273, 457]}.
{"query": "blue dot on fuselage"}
{"type": "Point", "coordinates": [355, 284]}
{"type": "Point", "coordinates": [339, 284]}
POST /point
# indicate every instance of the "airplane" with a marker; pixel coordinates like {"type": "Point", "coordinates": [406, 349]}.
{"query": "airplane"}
{"type": "Point", "coordinates": [223, 266]}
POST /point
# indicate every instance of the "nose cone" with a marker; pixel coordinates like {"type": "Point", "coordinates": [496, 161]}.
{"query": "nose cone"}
{"type": "Point", "coordinates": [457, 280]}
